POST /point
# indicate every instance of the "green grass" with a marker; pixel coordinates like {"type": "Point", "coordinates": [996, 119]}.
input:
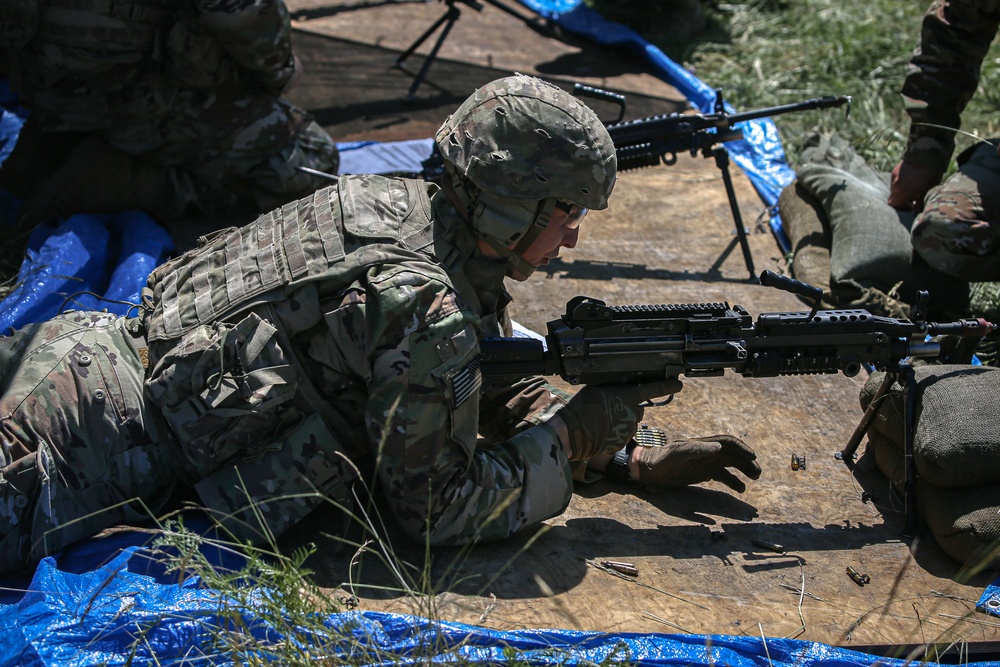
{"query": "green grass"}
{"type": "Point", "coordinates": [767, 52]}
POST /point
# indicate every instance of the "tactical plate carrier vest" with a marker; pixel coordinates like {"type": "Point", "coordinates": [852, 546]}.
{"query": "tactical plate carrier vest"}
{"type": "Point", "coordinates": [222, 365]}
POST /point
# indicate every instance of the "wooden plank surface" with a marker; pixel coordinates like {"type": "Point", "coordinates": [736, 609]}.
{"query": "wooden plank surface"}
{"type": "Point", "coordinates": [668, 237]}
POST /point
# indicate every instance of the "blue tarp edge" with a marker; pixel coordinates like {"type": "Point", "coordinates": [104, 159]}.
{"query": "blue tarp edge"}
{"type": "Point", "coordinates": [116, 615]}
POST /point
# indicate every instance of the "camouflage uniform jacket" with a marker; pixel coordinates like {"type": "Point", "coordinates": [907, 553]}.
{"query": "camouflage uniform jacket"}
{"type": "Point", "coordinates": [154, 77]}
{"type": "Point", "coordinates": [944, 74]}
{"type": "Point", "coordinates": [362, 305]}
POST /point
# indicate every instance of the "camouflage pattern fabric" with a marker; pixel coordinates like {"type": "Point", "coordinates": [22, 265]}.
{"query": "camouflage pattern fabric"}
{"type": "Point", "coordinates": [958, 230]}
{"type": "Point", "coordinates": [363, 304]}
{"type": "Point", "coordinates": [81, 450]}
{"type": "Point", "coordinates": [361, 369]}
{"type": "Point", "coordinates": [943, 75]}
{"type": "Point", "coordinates": [576, 162]}
{"type": "Point", "coordinates": [191, 86]}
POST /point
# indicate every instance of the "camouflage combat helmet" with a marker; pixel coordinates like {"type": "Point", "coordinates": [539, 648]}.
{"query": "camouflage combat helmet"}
{"type": "Point", "coordinates": [515, 149]}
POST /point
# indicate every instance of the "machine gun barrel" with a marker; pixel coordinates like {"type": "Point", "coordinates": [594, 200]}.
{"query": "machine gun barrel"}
{"type": "Point", "coordinates": [673, 124]}
{"type": "Point", "coordinates": [594, 343]}
{"type": "Point", "coordinates": [649, 141]}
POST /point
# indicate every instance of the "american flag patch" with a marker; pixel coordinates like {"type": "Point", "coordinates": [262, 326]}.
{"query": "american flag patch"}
{"type": "Point", "coordinates": [466, 381]}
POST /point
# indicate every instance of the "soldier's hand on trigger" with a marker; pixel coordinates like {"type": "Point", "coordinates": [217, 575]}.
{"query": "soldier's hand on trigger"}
{"type": "Point", "coordinates": [684, 462]}
{"type": "Point", "coordinates": [600, 420]}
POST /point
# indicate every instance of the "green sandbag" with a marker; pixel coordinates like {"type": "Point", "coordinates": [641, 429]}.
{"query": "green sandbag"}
{"type": "Point", "coordinates": [965, 522]}
{"type": "Point", "coordinates": [803, 220]}
{"type": "Point", "coordinates": [956, 441]}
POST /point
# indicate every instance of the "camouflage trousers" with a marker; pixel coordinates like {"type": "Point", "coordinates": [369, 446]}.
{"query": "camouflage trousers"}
{"type": "Point", "coordinates": [85, 447]}
{"type": "Point", "coordinates": [958, 231]}
{"type": "Point", "coordinates": [81, 452]}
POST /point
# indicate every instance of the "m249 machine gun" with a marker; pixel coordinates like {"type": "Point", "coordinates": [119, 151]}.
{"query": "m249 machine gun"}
{"type": "Point", "coordinates": [595, 343]}
{"type": "Point", "coordinates": [647, 142]}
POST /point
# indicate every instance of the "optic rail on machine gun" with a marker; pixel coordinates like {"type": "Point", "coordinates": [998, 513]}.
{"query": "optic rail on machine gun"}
{"type": "Point", "coordinates": [647, 142]}
{"type": "Point", "coordinates": [594, 343]}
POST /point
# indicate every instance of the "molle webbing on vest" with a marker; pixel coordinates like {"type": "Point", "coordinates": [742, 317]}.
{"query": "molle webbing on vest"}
{"type": "Point", "coordinates": [306, 240]}
{"type": "Point", "coordinates": [325, 224]}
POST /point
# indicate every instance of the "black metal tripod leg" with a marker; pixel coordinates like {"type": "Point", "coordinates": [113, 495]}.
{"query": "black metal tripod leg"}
{"type": "Point", "coordinates": [722, 161]}
{"type": "Point", "coordinates": [448, 20]}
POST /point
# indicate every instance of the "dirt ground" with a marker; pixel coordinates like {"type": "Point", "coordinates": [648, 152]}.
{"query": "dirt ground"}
{"type": "Point", "coordinates": [668, 237]}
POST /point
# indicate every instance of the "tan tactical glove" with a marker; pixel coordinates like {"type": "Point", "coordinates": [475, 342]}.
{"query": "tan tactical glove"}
{"type": "Point", "coordinates": [600, 420]}
{"type": "Point", "coordinates": [684, 462]}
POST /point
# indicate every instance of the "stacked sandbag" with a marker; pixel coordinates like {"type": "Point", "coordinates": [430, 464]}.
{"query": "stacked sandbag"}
{"type": "Point", "coordinates": [804, 222]}
{"type": "Point", "coordinates": [956, 454]}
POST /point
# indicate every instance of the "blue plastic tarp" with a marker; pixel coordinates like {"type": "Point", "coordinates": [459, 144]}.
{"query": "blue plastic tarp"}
{"type": "Point", "coordinates": [121, 614]}
{"type": "Point", "coordinates": [88, 262]}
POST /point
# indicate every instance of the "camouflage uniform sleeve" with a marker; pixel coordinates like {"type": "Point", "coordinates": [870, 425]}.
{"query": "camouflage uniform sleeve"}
{"type": "Point", "coordinates": [445, 484]}
{"type": "Point", "coordinates": [943, 75]}
{"type": "Point", "coordinates": [505, 411]}
{"type": "Point", "coordinates": [256, 33]}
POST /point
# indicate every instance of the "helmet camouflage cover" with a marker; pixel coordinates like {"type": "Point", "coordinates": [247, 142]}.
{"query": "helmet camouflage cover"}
{"type": "Point", "coordinates": [524, 139]}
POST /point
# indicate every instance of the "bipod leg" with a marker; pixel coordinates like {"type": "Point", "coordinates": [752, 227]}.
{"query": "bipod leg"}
{"type": "Point", "coordinates": [909, 382]}
{"type": "Point", "coordinates": [448, 20]}
{"type": "Point", "coordinates": [847, 454]}
{"type": "Point", "coordinates": [722, 161]}
{"type": "Point", "coordinates": [904, 375]}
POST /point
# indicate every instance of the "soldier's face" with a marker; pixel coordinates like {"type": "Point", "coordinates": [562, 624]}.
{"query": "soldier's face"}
{"type": "Point", "coordinates": [563, 231]}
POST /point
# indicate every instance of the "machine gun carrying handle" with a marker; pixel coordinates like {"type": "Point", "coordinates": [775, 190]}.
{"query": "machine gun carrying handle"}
{"type": "Point", "coordinates": [811, 292]}
{"type": "Point", "coordinates": [583, 90]}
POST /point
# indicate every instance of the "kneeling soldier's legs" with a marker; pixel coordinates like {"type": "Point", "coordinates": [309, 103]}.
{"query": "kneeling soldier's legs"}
{"type": "Point", "coordinates": [958, 232]}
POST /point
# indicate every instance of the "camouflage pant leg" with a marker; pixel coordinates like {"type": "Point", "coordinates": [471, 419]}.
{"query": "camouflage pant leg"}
{"type": "Point", "coordinates": [259, 497]}
{"type": "Point", "coordinates": [80, 451]}
{"type": "Point", "coordinates": [958, 232]}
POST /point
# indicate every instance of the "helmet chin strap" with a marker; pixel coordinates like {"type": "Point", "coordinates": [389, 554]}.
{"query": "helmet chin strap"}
{"type": "Point", "coordinates": [476, 206]}
{"type": "Point", "coordinates": [517, 268]}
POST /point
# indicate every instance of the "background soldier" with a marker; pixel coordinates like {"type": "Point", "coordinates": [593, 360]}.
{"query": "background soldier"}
{"type": "Point", "coordinates": [156, 105]}
{"type": "Point", "coordinates": [333, 342]}
{"type": "Point", "coordinates": [958, 227]}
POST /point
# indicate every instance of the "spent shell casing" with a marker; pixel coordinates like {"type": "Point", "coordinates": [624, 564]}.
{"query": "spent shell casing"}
{"type": "Point", "coordinates": [624, 568]}
{"type": "Point", "coordinates": [770, 546]}
{"type": "Point", "coordinates": [859, 579]}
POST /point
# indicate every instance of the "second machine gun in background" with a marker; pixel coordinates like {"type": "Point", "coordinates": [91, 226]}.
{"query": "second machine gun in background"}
{"type": "Point", "coordinates": [594, 343]}
{"type": "Point", "coordinates": [647, 142]}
